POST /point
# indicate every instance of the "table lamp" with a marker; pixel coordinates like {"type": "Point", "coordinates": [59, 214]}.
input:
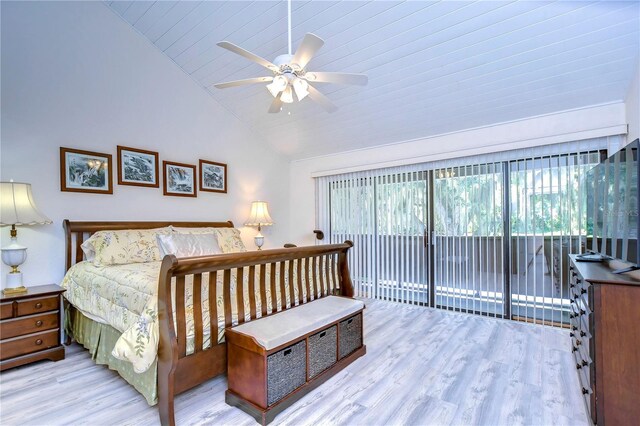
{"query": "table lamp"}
{"type": "Point", "coordinates": [17, 207]}
{"type": "Point", "coordinates": [259, 217]}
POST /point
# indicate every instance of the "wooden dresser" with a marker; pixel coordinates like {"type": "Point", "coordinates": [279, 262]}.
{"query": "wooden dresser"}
{"type": "Point", "coordinates": [605, 332]}
{"type": "Point", "coordinates": [30, 326]}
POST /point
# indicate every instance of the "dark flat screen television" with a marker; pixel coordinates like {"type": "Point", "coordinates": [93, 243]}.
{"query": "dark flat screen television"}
{"type": "Point", "coordinates": [613, 204]}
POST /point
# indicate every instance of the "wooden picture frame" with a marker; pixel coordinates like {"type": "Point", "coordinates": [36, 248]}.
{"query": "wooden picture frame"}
{"type": "Point", "coordinates": [138, 167]}
{"type": "Point", "coordinates": [85, 171]}
{"type": "Point", "coordinates": [186, 172]}
{"type": "Point", "coordinates": [213, 176]}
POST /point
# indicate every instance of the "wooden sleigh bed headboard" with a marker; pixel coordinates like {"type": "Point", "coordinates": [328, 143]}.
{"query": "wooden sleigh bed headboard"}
{"type": "Point", "coordinates": [324, 268]}
{"type": "Point", "coordinates": [75, 233]}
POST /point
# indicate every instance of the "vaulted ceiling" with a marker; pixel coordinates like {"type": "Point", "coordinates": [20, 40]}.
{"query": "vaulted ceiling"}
{"type": "Point", "coordinates": [433, 67]}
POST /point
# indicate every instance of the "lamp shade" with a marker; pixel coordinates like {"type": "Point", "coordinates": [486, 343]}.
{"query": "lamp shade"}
{"type": "Point", "coordinates": [259, 215]}
{"type": "Point", "coordinates": [17, 206]}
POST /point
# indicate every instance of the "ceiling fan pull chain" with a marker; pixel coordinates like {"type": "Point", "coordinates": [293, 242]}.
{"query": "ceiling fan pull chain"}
{"type": "Point", "coordinates": [289, 20]}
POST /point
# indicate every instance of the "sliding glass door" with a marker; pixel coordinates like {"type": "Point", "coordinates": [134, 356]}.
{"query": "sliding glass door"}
{"type": "Point", "coordinates": [490, 238]}
{"type": "Point", "coordinates": [468, 241]}
{"type": "Point", "coordinates": [402, 217]}
{"type": "Point", "coordinates": [386, 216]}
{"type": "Point", "coordinates": [548, 222]}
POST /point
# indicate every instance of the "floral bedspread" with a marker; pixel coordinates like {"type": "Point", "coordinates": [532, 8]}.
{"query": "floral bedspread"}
{"type": "Point", "coordinates": [125, 297]}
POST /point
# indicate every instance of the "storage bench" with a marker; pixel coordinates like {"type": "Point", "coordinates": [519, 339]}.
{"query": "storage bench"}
{"type": "Point", "coordinates": [273, 361]}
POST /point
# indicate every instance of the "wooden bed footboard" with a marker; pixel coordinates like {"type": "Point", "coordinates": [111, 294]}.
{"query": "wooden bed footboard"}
{"type": "Point", "coordinates": [298, 275]}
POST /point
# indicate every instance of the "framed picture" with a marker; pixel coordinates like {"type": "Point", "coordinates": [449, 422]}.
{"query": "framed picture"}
{"type": "Point", "coordinates": [179, 179]}
{"type": "Point", "coordinates": [137, 167]}
{"type": "Point", "coordinates": [213, 176]}
{"type": "Point", "coordinates": [85, 171]}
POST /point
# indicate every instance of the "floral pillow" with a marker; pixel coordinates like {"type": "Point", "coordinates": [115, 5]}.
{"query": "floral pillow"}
{"type": "Point", "coordinates": [123, 247]}
{"type": "Point", "coordinates": [229, 240]}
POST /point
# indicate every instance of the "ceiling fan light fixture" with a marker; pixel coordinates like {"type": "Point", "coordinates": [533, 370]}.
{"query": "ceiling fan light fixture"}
{"type": "Point", "coordinates": [287, 95]}
{"type": "Point", "coordinates": [301, 87]}
{"type": "Point", "coordinates": [278, 84]}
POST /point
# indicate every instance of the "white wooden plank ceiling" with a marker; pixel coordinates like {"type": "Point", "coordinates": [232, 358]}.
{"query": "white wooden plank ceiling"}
{"type": "Point", "coordinates": [433, 67]}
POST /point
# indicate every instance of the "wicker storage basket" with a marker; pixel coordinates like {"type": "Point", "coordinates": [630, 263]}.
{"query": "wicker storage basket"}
{"type": "Point", "coordinates": [286, 371]}
{"type": "Point", "coordinates": [350, 335]}
{"type": "Point", "coordinates": [323, 351]}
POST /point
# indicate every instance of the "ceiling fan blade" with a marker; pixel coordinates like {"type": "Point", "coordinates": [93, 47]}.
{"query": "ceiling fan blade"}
{"type": "Point", "coordinates": [276, 105]}
{"type": "Point", "coordinates": [242, 82]}
{"type": "Point", "coordinates": [318, 97]}
{"type": "Point", "coordinates": [250, 56]}
{"type": "Point", "coordinates": [337, 77]}
{"type": "Point", "coordinates": [311, 43]}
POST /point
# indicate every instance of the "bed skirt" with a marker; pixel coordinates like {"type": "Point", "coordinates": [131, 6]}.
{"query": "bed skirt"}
{"type": "Point", "coordinates": [100, 339]}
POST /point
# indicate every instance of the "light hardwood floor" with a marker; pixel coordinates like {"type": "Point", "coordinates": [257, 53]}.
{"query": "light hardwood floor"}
{"type": "Point", "coordinates": [423, 367]}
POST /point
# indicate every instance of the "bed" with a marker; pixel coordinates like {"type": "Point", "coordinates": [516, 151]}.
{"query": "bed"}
{"type": "Point", "coordinates": [164, 345]}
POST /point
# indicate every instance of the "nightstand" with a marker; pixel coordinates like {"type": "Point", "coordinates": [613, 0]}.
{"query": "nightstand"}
{"type": "Point", "coordinates": [31, 326]}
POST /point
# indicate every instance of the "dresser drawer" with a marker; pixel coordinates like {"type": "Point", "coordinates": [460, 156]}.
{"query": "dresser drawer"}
{"type": "Point", "coordinates": [37, 305]}
{"type": "Point", "coordinates": [28, 344]}
{"type": "Point", "coordinates": [30, 324]}
{"type": "Point", "coordinates": [6, 310]}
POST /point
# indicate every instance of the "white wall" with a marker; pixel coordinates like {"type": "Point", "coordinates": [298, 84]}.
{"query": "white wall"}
{"type": "Point", "coordinates": [75, 75]}
{"type": "Point", "coordinates": [566, 126]}
{"type": "Point", "coordinates": [632, 105]}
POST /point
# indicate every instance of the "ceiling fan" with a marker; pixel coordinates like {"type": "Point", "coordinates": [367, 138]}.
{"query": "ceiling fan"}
{"type": "Point", "coordinates": [290, 75]}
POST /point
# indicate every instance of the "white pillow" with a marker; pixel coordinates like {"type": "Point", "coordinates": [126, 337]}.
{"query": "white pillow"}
{"type": "Point", "coordinates": [188, 245]}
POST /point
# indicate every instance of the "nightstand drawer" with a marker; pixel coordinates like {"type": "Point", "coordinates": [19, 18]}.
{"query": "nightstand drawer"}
{"type": "Point", "coordinates": [32, 343]}
{"type": "Point", "coordinates": [37, 305]}
{"type": "Point", "coordinates": [6, 310]}
{"type": "Point", "coordinates": [31, 324]}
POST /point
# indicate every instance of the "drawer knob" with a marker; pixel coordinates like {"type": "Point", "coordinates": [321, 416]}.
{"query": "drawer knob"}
{"type": "Point", "coordinates": [578, 366]}
{"type": "Point", "coordinates": [38, 323]}
{"type": "Point", "coordinates": [573, 349]}
{"type": "Point", "coordinates": [571, 334]}
{"type": "Point", "coordinates": [571, 285]}
{"type": "Point", "coordinates": [585, 391]}
{"type": "Point", "coordinates": [584, 363]}
{"type": "Point", "coordinates": [578, 342]}
{"type": "Point", "coordinates": [582, 334]}
{"type": "Point", "coordinates": [583, 291]}
{"type": "Point", "coordinates": [39, 342]}
{"type": "Point", "coordinates": [38, 305]}
{"type": "Point", "coordinates": [573, 327]}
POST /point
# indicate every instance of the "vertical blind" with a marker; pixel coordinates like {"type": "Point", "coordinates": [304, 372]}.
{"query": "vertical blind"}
{"type": "Point", "coordinates": [488, 234]}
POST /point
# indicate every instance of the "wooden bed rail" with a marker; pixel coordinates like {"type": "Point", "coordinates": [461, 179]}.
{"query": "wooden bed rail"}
{"type": "Point", "coordinates": [297, 274]}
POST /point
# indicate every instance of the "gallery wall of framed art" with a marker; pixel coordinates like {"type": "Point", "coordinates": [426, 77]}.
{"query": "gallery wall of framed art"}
{"type": "Point", "coordinates": [92, 172]}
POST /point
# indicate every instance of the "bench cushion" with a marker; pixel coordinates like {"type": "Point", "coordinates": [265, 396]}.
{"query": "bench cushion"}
{"type": "Point", "coordinates": [278, 329]}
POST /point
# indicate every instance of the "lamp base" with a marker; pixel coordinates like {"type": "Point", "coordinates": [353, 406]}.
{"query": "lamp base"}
{"type": "Point", "coordinates": [14, 279]}
{"type": "Point", "coordinates": [14, 291]}
{"type": "Point", "coordinates": [259, 240]}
